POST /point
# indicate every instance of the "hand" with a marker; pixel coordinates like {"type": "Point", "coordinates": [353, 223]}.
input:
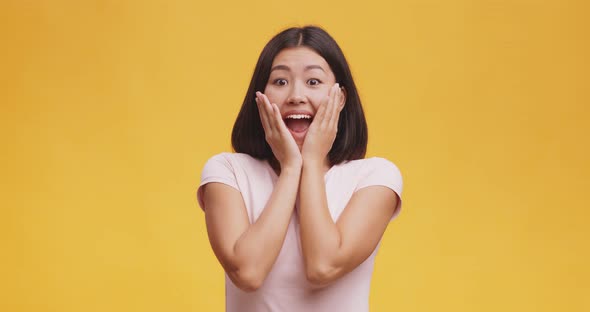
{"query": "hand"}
{"type": "Point", "coordinates": [322, 131]}
{"type": "Point", "coordinates": [277, 134]}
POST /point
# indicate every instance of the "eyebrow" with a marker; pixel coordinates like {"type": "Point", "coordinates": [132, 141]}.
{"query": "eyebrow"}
{"type": "Point", "coordinates": [285, 67]}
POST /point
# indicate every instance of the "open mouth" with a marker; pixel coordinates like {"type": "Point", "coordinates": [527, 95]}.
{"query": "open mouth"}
{"type": "Point", "coordinates": [298, 122]}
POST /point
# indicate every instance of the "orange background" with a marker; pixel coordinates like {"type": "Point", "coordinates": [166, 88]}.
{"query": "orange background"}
{"type": "Point", "coordinates": [109, 110]}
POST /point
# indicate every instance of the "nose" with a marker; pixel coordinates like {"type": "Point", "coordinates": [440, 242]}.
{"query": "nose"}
{"type": "Point", "coordinates": [297, 95]}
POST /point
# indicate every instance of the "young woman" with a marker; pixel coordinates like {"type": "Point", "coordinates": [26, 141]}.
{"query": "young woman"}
{"type": "Point", "coordinates": [296, 215]}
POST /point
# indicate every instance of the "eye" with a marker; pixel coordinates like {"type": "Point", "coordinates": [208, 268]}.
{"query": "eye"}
{"type": "Point", "coordinates": [280, 82]}
{"type": "Point", "coordinates": [313, 82]}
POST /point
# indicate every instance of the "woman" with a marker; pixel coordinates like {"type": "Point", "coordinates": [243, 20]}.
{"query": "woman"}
{"type": "Point", "coordinates": [296, 215]}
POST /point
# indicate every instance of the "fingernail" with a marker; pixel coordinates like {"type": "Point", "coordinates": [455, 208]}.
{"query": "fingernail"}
{"type": "Point", "coordinates": [337, 85]}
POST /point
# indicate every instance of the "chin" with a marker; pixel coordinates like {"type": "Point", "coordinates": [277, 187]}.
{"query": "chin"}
{"type": "Point", "coordinates": [299, 137]}
{"type": "Point", "coordinates": [299, 142]}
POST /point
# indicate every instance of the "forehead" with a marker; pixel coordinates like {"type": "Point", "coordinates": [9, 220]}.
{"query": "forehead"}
{"type": "Point", "coordinates": [300, 57]}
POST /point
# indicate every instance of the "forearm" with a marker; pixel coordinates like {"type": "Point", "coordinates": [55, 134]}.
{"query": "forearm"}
{"type": "Point", "coordinates": [258, 247]}
{"type": "Point", "coordinates": [320, 237]}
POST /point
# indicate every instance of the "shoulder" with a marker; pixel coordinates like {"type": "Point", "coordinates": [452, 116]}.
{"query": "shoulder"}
{"type": "Point", "coordinates": [378, 171]}
{"type": "Point", "coordinates": [233, 160]}
{"type": "Point", "coordinates": [237, 166]}
{"type": "Point", "coordinates": [227, 156]}
{"type": "Point", "coordinates": [228, 169]}
{"type": "Point", "coordinates": [379, 163]}
{"type": "Point", "coordinates": [369, 165]}
{"type": "Point", "coordinates": [373, 171]}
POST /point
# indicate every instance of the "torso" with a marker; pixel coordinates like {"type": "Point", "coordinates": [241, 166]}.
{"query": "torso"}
{"type": "Point", "coordinates": [286, 287]}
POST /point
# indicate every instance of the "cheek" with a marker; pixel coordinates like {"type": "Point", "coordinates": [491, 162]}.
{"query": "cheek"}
{"type": "Point", "coordinates": [274, 95]}
{"type": "Point", "coordinates": [319, 97]}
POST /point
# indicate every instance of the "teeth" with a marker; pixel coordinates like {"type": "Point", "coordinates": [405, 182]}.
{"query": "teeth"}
{"type": "Point", "coordinates": [298, 116]}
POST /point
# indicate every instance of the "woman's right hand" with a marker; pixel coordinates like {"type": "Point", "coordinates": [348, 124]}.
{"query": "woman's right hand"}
{"type": "Point", "coordinates": [277, 134]}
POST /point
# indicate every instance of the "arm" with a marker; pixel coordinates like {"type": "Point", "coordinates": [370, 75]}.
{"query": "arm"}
{"type": "Point", "coordinates": [334, 249]}
{"type": "Point", "coordinates": [330, 249]}
{"type": "Point", "coordinates": [247, 251]}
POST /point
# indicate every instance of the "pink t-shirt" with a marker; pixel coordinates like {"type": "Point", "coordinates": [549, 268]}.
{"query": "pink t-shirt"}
{"type": "Point", "coordinates": [286, 287]}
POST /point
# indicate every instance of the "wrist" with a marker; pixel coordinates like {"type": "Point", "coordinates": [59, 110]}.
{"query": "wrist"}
{"type": "Point", "coordinates": [291, 162]}
{"type": "Point", "coordinates": [294, 169]}
{"type": "Point", "coordinates": [315, 164]}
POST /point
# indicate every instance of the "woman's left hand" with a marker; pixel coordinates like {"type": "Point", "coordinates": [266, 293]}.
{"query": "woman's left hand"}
{"type": "Point", "coordinates": [322, 131]}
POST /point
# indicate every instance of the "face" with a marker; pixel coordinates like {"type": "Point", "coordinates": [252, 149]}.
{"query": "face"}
{"type": "Point", "coordinates": [300, 79]}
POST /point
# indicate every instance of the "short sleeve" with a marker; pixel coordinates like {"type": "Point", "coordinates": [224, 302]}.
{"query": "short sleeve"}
{"type": "Point", "coordinates": [217, 169]}
{"type": "Point", "coordinates": [380, 171]}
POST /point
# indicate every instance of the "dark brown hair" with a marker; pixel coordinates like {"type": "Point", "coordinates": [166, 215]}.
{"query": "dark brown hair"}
{"type": "Point", "coordinates": [351, 138]}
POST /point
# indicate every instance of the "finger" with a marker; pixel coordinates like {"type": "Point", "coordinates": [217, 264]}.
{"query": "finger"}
{"type": "Point", "coordinates": [267, 105]}
{"type": "Point", "coordinates": [263, 113]}
{"type": "Point", "coordinates": [336, 107]}
{"type": "Point", "coordinates": [279, 119]}
{"type": "Point", "coordinates": [270, 111]}
{"type": "Point", "coordinates": [330, 107]}
{"type": "Point", "coordinates": [337, 100]}
{"type": "Point", "coordinates": [263, 119]}
{"type": "Point", "coordinates": [319, 116]}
